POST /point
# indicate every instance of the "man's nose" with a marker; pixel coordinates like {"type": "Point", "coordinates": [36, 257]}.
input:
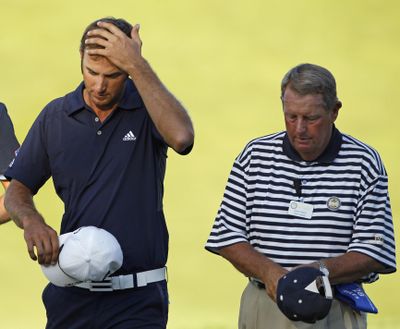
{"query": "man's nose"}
{"type": "Point", "coordinates": [101, 84]}
{"type": "Point", "coordinates": [301, 125]}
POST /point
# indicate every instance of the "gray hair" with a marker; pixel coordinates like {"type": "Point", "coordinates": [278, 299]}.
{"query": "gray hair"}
{"type": "Point", "coordinates": [307, 79]}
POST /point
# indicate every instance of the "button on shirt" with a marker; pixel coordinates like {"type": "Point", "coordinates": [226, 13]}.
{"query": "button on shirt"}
{"type": "Point", "coordinates": [108, 174]}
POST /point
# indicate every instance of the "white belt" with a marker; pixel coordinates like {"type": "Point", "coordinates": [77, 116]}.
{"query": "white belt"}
{"type": "Point", "coordinates": [128, 281]}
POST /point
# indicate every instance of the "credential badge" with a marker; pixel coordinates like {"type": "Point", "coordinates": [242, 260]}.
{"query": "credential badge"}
{"type": "Point", "coordinates": [333, 203]}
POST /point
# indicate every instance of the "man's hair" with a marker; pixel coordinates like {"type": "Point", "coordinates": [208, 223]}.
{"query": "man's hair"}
{"type": "Point", "coordinates": [122, 24]}
{"type": "Point", "coordinates": [307, 79]}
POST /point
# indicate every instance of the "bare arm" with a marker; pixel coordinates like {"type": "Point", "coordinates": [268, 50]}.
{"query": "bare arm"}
{"type": "Point", "coordinates": [4, 217]}
{"type": "Point", "coordinates": [350, 267]}
{"type": "Point", "coordinates": [19, 203]}
{"type": "Point", "coordinates": [167, 113]}
{"type": "Point", "coordinates": [253, 264]}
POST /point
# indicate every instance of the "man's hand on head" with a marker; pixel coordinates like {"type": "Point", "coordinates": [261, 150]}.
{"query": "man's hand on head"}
{"type": "Point", "coordinates": [122, 51]}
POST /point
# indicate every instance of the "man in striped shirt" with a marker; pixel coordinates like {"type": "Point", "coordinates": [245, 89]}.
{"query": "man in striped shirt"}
{"type": "Point", "coordinates": [344, 226]}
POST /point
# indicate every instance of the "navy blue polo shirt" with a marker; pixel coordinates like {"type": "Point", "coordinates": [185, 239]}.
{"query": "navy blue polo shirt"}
{"type": "Point", "coordinates": [108, 174]}
{"type": "Point", "coordinates": [8, 142]}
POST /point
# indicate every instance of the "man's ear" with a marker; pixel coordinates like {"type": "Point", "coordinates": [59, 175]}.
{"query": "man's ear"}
{"type": "Point", "coordinates": [81, 54]}
{"type": "Point", "coordinates": [335, 111]}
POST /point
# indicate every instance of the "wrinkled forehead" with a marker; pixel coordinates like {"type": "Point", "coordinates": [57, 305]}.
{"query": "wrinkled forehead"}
{"type": "Point", "coordinates": [99, 64]}
{"type": "Point", "coordinates": [293, 99]}
{"type": "Point", "coordinates": [94, 59]}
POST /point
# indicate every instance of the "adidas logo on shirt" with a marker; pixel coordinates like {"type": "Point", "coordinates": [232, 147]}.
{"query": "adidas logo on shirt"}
{"type": "Point", "coordinates": [129, 137]}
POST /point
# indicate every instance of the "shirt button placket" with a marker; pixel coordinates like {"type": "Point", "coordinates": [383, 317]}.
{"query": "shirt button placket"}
{"type": "Point", "coordinates": [98, 126]}
{"type": "Point", "coordinates": [303, 183]}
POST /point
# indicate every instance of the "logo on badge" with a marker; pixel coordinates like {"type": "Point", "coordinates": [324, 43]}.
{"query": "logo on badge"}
{"type": "Point", "coordinates": [378, 239]}
{"type": "Point", "coordinates": [333, 203]}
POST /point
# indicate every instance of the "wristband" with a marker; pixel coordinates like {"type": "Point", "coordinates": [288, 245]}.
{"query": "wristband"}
{"type": "Point", "coordinates": [323, 268]}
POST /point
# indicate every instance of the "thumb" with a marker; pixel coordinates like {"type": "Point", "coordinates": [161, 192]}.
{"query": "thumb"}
{"type": "Point", "coordinates": [135, 32]}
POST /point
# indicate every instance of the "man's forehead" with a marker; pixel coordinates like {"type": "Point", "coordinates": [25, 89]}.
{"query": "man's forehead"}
{"type": "Point", "coordinates": [100, 63]}
{"type": "Point", "coordinates": [292, 97]}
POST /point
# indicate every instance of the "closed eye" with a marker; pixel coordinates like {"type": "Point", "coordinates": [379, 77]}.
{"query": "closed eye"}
{"type": "Point", "coordinates": [312, 118]}
{"type": "Point", "coordinates": [114, 75]}
{"type": "Point", "coordinates": [91, 72]}
{"type": "Point", "coordinates": [291, 118]}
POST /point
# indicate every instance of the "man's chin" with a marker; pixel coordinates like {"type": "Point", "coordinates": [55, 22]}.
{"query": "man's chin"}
{"type": "Point", "coordinates": [104, 106]}
{"type": "Point", "coordinates": [303, 145]}
{"type": "Point", "coordinates": [304, 148]}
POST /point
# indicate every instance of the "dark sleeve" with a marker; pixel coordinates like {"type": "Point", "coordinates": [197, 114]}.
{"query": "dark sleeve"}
{"type": "Point", "coordinates": [8, 142]}
{"type": "Point", "coordinates": [31, 165]}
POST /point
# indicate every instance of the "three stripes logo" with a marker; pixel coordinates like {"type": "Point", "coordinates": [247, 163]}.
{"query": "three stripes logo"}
{"type": "Point", "coordinates": [129, 137]}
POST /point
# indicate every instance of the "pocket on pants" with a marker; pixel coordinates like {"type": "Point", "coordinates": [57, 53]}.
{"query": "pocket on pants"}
{"type": "Point", "coordinates": [164, 298]}
{"type": "Point", "coordinates": [352, 319]}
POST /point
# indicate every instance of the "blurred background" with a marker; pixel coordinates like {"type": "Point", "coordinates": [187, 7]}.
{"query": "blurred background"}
{"type": "Point", "coordinates": [224, 60]}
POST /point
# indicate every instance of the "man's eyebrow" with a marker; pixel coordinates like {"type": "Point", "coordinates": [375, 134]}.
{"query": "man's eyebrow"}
{"type": "Point", "coordinates": [114, 74]}
{"type": "Point", "coordinates": [90, 69]}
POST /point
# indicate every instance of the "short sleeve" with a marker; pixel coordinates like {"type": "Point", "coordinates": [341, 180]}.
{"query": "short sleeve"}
{"type": "Point", "coordinates": [31, 165]}
{"type": "Point", "coordinates": [373, 233]}
{"type": "Point", "coordinates": [230, 223]}
{"type": "Point", "coordinates": [8, 141]}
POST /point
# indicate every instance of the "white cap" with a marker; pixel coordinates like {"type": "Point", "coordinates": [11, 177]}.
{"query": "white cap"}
{"type": "Point", "coordinates": [87, 254]}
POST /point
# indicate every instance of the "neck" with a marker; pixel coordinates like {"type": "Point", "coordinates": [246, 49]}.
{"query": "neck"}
{"type": "Point", "coordinates": [101, 113]}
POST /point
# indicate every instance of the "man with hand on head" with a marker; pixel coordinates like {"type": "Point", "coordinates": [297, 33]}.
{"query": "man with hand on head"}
{"type": "Point", "coordinates": [8, 147]}
{"type": "Point", "coordinates": [105, 146]}
{"type": "Point", "coordinates": [309, 200]}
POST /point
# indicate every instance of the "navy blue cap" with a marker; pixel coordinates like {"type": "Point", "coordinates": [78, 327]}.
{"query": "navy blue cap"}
{"type": "Point", "coordinates": [304, 294]}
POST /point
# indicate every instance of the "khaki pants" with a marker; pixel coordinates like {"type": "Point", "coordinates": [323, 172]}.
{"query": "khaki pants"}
{"type": "Point", "coordinates": [258, 311]}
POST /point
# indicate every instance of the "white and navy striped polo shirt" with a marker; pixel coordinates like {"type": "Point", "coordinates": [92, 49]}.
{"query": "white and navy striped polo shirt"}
{"type": "Point", "coordinates": [347, 187]}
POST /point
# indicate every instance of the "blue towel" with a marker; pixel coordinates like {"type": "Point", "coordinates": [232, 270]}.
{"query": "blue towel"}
{"type": "Point", "coordinates": [354, 295]}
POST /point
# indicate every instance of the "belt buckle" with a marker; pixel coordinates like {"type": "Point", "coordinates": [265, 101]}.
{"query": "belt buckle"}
{"type": "Point", "coordinates": [99, 286]}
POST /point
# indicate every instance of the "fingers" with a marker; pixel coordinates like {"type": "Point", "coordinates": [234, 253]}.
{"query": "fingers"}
{"type": "Point", "coordinates": [97, 41]}
{"type": "Point", "coordinates": [55, 248]}
{"type": "Point", "coordinates": [105, 35]}
{"type": "Point", "coordinates": [45, 242]}
{"type": "Point", "coordinates": [120, 49]}
{"type": "Point", "coordinates": [110, 27]}
{"type": "Point", "coordinates": [103, 38]}
{"type": "Point", "coordinates": [49, 252]}
{"type": "Point", "coordinates": [40, 252]}
{"type": "Point", "coordinates": [135, 31]}
{"type": "Point", "coordinates": [135, 34]}
{"type": "Point", "coordinates": [31, 252]}
{"type": "Point", "coordinates": [109, 32]}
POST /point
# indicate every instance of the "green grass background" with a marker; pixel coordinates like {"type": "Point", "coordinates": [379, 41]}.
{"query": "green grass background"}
{"type": "Point", "coordinates": [224, 60]}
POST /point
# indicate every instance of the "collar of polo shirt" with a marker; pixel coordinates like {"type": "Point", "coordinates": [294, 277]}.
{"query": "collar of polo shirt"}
{"type": "Point", "coordinates": [129, 100]}
{"type": "Point", "coordinates": [329, 154]}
